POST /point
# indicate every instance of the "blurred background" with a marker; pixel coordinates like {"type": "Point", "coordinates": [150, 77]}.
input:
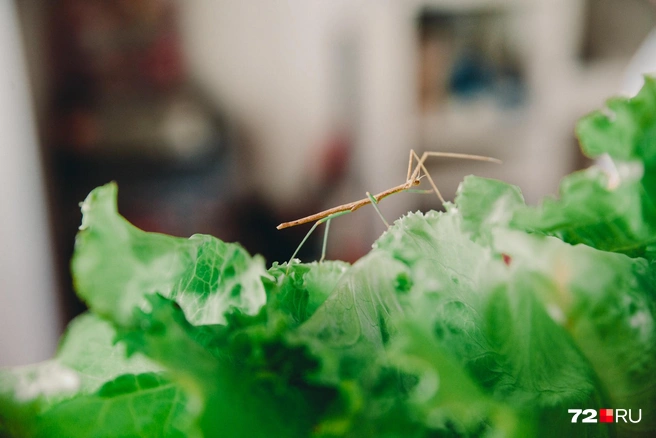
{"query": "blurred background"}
{"type": "Point", "coordinates": [228, 117]}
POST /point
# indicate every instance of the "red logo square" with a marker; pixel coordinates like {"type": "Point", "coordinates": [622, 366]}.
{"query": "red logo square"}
{"type": "Point", "coordinates": [606, 415]}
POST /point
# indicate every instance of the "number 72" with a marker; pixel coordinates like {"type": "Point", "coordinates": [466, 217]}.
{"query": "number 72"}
{"type": "Point", "coordinates": [591, 415]}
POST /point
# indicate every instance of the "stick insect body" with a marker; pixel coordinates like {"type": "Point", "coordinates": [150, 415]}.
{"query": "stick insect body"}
{"type": "Point", "coordinates": [413, 178]}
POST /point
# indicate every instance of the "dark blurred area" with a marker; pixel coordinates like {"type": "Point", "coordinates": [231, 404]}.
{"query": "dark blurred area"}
{"type": "Point", "coordinates": [123, 109]}
{"type": "Point", "coordinates": [228, 117]}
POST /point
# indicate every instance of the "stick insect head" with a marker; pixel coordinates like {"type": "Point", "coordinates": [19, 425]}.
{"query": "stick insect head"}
{"type": "Point", "coordinates": [415, 181]}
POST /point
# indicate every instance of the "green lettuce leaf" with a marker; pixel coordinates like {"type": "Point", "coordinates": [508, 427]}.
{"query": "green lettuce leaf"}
{"type": "Point", "coordinates": [299, 289]}
{"type": "Point", "coordinates": [467, 304]}
{"type": "Point", "coordinates": [234, 372]}
{"type": "Point", "coordinates": [116, 265]}
{"type": "Point", "coordinates": [625, 129]}
{"type": "Point", "coordinates": [92, 388]}
{"type": "Point", "coordinates": [358, 318]}
{"type": "Point", "coordinates": [606, 303]}
{"type": "Point", "coordinates": [613, 209]}
{"type": "Point", "coordinates": [131, 405]}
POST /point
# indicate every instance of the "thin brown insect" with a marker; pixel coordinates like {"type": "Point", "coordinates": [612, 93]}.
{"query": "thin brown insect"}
{"type": "Point", "coordinates": [413, 178]}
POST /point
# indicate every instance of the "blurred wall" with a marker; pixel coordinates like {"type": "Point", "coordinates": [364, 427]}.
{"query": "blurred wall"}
{"type": "Point", "coordinates": [277, 67]}
{"type": "Point", "coordinates": [29, 311]}
{"type": "Point", "coordinates": [269, 63]}
{"type": "Point", "coordinates": [299, 72]}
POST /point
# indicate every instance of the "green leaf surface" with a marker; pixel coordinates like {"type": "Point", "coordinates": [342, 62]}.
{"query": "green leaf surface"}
{"type": "Point", "coordinates": [253, 373]}
{"type": "Point", "coordinates": [620, 219]}
{"type": "Point", "coordinates": [362, 309]}
{"type": "Point", "coordinates": [625, 129]}
{"type": "Point", "coordinates": [116, 265]}
{"type": "Point", "coordinates": [485, 204]}
{"type": "Point", "coordinates": [299, 290]}
{"type": "Point", "coordinates": [142, 405]}
{"type": "Point", "coordinates": [89, 347]}
{"type": "Point", "coordinates": [92, 388]}
{"type": "Point", "coordinates": [612, 209]}
{"type": "Point", "coordinates": [86, 359]}
{"type": "Point", "coordinates": [492, 323]}
{"type": "Point", "coordinates": [607, 304]}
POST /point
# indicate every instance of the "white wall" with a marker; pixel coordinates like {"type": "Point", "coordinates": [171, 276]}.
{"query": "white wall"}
{"type": "Point", "coordinates": [29, 312]}
{"type": "Point", "coordinates": [271, 64]}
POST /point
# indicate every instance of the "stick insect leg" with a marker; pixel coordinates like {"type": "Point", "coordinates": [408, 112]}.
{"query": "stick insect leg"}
{"type": "Point", "coordinates": [298, 248]}
{"type": "Point", "coordinates": [314, 227]}
{"type": "Point", "coordinates": [462, 156]}
{"type": "Point", "coordinates": [325, 241]}
{"type": "Point", "coordinates": [420, 166]}
{"type": "Point", "coordinates": [374, 204]}
{"type": "Point", "coordinates": [425, 155]}
{"type": "Point", "coordinates": [412, 155]}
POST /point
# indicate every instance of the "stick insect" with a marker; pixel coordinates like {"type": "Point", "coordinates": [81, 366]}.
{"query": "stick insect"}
{"type": "Point", "coordinates": [413, 178]}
